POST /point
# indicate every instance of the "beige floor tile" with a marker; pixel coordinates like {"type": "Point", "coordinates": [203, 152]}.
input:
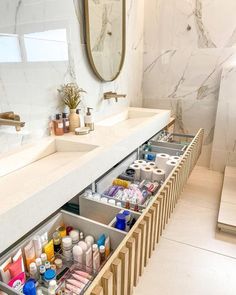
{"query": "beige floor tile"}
{"type": "Point", "coordinates": [177, 269]}
{"type": "Point", "coordinates": [203, 188]}
{"type": "Point", "coordinates": [196, 226]}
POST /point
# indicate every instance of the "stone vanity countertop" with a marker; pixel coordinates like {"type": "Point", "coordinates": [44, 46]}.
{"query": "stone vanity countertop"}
{"type": "Point", "coordinates": [31, 194]}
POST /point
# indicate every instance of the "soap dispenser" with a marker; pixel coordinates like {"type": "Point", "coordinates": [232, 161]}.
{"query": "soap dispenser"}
{"type": "Point", "coordinates": [88, 120]}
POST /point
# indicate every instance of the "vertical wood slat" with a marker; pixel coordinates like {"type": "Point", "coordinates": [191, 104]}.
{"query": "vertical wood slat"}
{"type": "Point", "coordinates": [116, 270]}
{"type": "Point", "coordinates": [124, 256]}
{"type": "Point", "coordinates": [143, 228]}
{"type": "Point", "coordinates": [151, 211]}
{"type": "Point", "coordinates": [131, 246]}
{"type": "Point", "coordinates": [157, 206]}
{"type": "Point", "coordinates": [161, 212]}
{"type": "Point", "coordinates": [107, 283]}
{"type": "Point", "coordinates": [138, 253]}
{"type": "Point", "coordinates": [163, 195]}
{"type": "Point", "coordinates": [147, 218]}
{"type": "Point", "coordinates": [97, 290]}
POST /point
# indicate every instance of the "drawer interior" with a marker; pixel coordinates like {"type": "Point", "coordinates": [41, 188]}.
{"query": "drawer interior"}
{"type": "Point", "coordinates": [87, 226]}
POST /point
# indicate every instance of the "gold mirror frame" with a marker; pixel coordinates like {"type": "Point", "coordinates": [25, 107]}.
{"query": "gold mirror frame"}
{"type": "Point", "coordinates": [88, 42]}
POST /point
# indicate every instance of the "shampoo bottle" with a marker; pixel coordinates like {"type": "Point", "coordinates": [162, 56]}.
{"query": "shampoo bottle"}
{"type": "Point", "coordinates": [88, 120]}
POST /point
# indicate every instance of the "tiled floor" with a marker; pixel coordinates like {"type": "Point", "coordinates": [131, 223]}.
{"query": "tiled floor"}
{"type": "Point", "coordinates": [193, 258]}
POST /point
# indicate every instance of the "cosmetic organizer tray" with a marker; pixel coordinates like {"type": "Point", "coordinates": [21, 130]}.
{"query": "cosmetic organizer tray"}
{"type": "Point", "coordinates": [87, 226]}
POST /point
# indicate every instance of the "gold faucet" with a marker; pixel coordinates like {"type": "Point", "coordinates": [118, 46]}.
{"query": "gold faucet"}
{"type": "Point", "coordinates": [11, 119]}
{"type": "Point", "coordinates": [110, 94]}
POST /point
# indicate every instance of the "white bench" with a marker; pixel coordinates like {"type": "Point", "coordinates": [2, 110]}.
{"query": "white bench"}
{"type": "Point", "coordinates": [227, 211]}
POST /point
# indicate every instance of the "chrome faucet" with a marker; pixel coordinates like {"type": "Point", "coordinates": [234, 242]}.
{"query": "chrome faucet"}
{"type": "Point", "coordinates": [11, 119]}
{"type": "Point", "coordinates": [110, 94]}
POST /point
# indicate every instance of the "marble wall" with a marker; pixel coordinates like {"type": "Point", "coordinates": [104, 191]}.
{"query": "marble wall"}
{"type": "Point", "coordinates": [186, 44]}
{"type": "Point", "coordinates": [224, 143]}
{"type": "Point", "coordinates": [41, 47]}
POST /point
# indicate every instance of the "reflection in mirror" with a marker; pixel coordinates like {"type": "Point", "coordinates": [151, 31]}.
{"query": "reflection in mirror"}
{"type": "Point", "coordinates": [105, 36]}
{"type": "Point", "coordinates": [43, 46]}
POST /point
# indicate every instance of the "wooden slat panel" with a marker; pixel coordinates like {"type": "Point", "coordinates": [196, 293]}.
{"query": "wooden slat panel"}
{"type": "Point", "coordinates": [138, 252]}
{"type": "Point", "coordinates": [98, 290]}
{"type": "Point", "coordinates": [116, 270]}
{"type": "Point", "coordinates": [107, 283]}
{"type": "Point", "coordinates": [143, 228]}
{"type": "Point", "coordinates": [124, 256]}
{"type": "Point", "coordinates": [132, 255]}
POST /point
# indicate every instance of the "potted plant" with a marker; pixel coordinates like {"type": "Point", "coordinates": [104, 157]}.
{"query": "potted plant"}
{"type": "Point", "coordinates": [71, 96]}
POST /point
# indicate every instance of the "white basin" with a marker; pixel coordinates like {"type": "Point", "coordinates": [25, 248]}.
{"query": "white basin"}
{"type": "Point", "coordinates": [52, 149]}
{"type": "Point", "coordinates": [134, 116]}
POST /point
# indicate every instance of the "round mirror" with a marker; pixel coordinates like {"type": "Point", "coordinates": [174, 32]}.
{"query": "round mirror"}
{"type": "Point", "coordinates": [105, 37]}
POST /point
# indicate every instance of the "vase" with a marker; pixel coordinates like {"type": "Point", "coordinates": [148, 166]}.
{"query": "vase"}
{"type": "Point", "coordinates": [74, 120]}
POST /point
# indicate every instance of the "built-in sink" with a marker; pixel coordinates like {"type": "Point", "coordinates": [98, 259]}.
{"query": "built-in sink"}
{"type": "Point", "coordinates": [130, 116]}
{"type": "Point", "coordinates": [54, 150]}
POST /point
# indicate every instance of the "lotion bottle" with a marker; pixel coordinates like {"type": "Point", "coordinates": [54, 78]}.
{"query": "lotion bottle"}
{"type": "Point", "coordinates": [88, 120]}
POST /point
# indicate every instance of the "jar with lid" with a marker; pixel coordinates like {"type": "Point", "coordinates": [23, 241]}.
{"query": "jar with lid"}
{"type": "Point", "coordinates": [67, 248]}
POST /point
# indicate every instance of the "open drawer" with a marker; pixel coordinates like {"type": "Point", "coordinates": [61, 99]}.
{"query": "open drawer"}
{"type": "Point", "coordinates": [87, 226]}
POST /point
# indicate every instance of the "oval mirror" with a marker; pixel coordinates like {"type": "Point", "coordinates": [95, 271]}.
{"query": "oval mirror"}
{"type": "Point", "coordinates": [105, 37]}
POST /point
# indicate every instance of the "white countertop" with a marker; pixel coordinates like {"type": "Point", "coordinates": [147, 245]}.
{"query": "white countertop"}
{"type": "Point", "coordinates": [29, 195]}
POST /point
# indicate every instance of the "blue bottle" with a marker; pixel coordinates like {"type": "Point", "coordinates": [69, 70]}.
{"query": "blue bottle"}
{"type": "Point", "coordinates": [120, 221]}
{"type": "Point", "coordinates": [29, 287]}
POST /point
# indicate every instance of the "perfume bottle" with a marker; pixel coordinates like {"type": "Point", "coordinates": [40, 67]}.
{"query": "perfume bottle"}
{"type": "Point", "coordinates": [58, 125]}
{"type": "Point", "coordinates": [66, 123]}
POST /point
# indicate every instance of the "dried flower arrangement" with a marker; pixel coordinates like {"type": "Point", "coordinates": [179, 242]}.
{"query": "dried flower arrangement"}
{"type": "Point", "coordinates": [71, 94]}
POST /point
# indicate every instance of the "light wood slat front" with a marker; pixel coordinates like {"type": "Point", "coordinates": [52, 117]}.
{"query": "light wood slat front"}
{"type": "Point", "coordinates": [124, 256]}
{"type": "Point", "coordinates": [152, 229]}
{"type": "Point", "coordinates": [137, 264]}
{"type": "Point", "coordinates": [143, 228]}
{"type": "Point", "coordinates": [148, 219]}
{"type": "Point", "coordinates": [161, 216]}
{"type": "Point", "coordinates": [131, 246]}
{"type": "Point", "coordinates": [98, 290]}
{"type": "Point", "coordinates": [157, 206]}
{"type": "Point", "coordinates": [116, 270]}
{"type": "Point", "coordinates": [107, 283]}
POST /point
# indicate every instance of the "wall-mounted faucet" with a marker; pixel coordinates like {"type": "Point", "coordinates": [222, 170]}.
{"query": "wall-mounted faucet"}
{"type": "Point", "coordinates": [110, 94]}
{"type": "Point", "coordinates": [11, 119]}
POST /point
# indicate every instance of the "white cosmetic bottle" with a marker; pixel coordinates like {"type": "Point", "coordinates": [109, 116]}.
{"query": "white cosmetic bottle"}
{"type": "Point", "coordinates": [88, 120]}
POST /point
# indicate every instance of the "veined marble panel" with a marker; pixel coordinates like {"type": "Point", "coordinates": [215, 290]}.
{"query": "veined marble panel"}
{"type": "Point", "coordinates": [186, 44]}
{"type": "Point", "coordinates": [224, 144]}
{"type": "Point", "coordinates": [29, 80]}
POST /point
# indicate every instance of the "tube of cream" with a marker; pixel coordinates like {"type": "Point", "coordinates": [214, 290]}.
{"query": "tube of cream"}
{"type": "Point", "coordinates": [49, 250]}
{"type": "Point", "coordinates": [80, 278]}
{"type": "Point", "coordinates": [5, 273]}
{"type": "Point", "coordinates": [76, 283]}
{"type": "Point", "coordinates": [73, 289]}
{"type": "Point", "coordinates": [83, 274]}
{"type": "Point", "coordinates": [37, 246]}
{"type": "Point", "coordinates": [96, 261]}
{"type": "Point", "coordinates": [29, 254]}
{"type": "Point", "coordinates": [107, 246]}
{"type": "Point", "coordinates": [89, 259]}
